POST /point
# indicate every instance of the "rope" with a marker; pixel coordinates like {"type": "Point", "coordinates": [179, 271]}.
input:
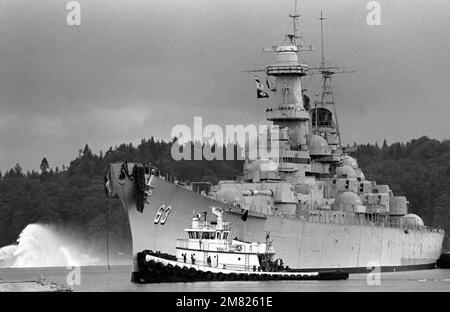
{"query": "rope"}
{"type": "Point", "coordinates": [107, 232]}
{"type": "Point", "coordinates": [138, 178]}
{"type": "Point", "coordinates": [139, 187]}
{"type": "Point", "coordinates": [107, 175]}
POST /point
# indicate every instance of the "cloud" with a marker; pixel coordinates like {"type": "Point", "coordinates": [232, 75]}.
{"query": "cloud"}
{"type": "Point", "coordinates": [134, 69]}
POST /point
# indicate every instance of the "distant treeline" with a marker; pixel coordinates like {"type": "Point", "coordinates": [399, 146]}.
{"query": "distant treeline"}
{"type": "Point", "coordinates": [73, 196]}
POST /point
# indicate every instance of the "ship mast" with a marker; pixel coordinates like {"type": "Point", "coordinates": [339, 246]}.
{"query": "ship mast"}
{"type": "Point", "coordinates": [286, 107]}
{"type": "Point", "coordinates": [323, 123]}
{"type": "Point", "coordinates": [292, 37]}
{"type": "Point", "coordinates": [322, 63]}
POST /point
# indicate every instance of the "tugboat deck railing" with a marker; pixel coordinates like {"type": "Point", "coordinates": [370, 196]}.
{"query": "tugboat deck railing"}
{"type": "Point", "coordinates": [234, 267]}
{"type": "Point", "coordinates": [205, 245]}
{"type": "Point", "coordinates": [207, 225]}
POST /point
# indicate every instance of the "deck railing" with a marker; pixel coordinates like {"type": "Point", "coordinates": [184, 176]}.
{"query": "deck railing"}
{"type": "Point", "coordinates": [201, 262]}
{"type": "Point", "coordinates": [345, 218]}
{"type": "Point", "coordinates": [209, 226]}
{"type": "Point", "coordinates": [200, 245]}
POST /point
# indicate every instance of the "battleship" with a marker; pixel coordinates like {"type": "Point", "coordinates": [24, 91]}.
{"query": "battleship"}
{"type": "Point", "coordinates": [313, 200]}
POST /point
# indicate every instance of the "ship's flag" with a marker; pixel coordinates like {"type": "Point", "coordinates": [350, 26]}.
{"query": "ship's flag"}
{"type": "Point", "coordinates": [260, 93]}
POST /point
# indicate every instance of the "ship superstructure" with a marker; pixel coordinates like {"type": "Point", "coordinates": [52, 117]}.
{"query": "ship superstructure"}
{"type": "Point", "coordinates": [312, 176]}
{"type": "Point", "coordinates": [313, 199]}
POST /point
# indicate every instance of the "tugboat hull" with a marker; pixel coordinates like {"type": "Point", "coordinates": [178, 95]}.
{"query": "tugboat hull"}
{"type": "Point", "coordinates": [154, 269]}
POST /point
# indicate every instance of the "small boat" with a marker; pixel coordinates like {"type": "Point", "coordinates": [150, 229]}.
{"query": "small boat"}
{"type": "Point", "coordinates": [40, 285]}
{"type": "Point", "coordinates": [208, 254]}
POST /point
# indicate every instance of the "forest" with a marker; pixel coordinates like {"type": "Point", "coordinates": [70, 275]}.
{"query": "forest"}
{"type": "Point", "coordinates": [73, 197]}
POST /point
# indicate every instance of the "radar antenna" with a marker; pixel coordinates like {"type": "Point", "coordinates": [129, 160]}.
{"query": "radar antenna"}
{"type": "Point", "coordinates": [293, 36]}
{"type": "Point", "coordinates": [327, 96]}
{"type": "Point", "coordinates": [322, 63]}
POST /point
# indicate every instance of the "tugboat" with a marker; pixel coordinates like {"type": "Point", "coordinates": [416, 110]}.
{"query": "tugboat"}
{"type": "Point", "coordinates": [208, 255]}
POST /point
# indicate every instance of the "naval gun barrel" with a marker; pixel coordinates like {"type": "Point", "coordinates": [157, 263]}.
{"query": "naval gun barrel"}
{"type": "Point", "coordinates": [257, 192]}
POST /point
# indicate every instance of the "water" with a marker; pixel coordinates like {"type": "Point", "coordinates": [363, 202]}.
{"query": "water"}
{"type": "Point", "coordinates": [43, 251]}
{"type": "Point", "coordinates": [43, 246]}
{"type": "Point", "coordinates": [100, 279]}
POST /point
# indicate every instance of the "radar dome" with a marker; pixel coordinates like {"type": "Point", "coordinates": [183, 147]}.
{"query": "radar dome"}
{"type": "Point", "coordinates": [350, 161]}
{"type": "Point", "coordinates": [318, 146]}
{"type": "Point", "coordinates": [346, 201]}
{"type": "Point", "coordinates": [412, 220]}
{"type": "Point", "coordinates": [345, 171]}
{"type": "Point", "coordinates": [360, 175]}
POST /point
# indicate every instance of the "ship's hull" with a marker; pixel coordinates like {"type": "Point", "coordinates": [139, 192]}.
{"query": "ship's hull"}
{"type": "Point", "coordinates": [304, 245]}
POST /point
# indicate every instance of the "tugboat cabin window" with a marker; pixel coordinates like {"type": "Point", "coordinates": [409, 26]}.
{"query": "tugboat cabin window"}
{"type": "Point", "coordinates": [225, 235]}
{"type": "Point", "coordinates": [203, 235]}
{"type": "Point", "coordinates": [218, 235]}
{"type": "Point", "coordinates": [208, 235]}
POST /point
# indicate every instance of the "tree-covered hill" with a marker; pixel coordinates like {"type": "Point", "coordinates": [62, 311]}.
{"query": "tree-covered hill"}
{"type": "Point", "coordinates": [73, 197]}
{"type": "Point", "coordinates": [419, 170]}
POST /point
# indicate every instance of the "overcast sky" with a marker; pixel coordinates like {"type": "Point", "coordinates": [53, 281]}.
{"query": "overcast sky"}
{"type": "Point", "coordinates": [134, 69]}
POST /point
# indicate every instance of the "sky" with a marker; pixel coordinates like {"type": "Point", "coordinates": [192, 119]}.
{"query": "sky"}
{"type": "Point", "coordinates": [134, 69]}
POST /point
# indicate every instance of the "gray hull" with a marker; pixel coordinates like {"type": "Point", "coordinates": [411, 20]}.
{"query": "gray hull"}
{"type": "Point", "coordinates": [301, 244]}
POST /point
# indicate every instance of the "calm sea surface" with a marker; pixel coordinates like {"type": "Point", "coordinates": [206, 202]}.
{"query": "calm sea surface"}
{"type": "Point", "coordinates": [99, 278]}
